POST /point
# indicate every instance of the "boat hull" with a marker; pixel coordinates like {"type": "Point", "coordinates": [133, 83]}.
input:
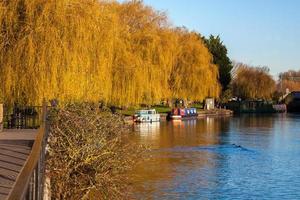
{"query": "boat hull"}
{"type": "Point", "coordinates": [147, 119]}
{"type": "Point", "coordinates": [179, 117]}
{"type": "Point", "coordinates": [293, 107]}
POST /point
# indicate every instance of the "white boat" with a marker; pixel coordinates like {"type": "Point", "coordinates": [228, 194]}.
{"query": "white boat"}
{"type": "Point", "coordinates": [146, 116]}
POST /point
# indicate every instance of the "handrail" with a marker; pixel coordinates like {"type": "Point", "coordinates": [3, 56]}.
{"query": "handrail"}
{"type": "Point", "coordinates": [22, 117]}
{"type": "Point", "coordinates": [20, 187]}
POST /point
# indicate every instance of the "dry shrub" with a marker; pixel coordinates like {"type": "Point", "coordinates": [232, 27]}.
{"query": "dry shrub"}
{"type": "Point", "coordinates": [89, 154]}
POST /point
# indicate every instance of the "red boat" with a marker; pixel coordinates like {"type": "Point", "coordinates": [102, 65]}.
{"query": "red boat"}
{"type": "Point", "coordinates": [182, 113]}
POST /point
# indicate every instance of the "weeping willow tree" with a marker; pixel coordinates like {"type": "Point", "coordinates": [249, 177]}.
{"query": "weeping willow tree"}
{"type": "Point", "coordinates": [145, 67]}
{"type": "Point", "coordinates": [55, 49]}
{"type": "Point", "coordinates": [89, 50]}
{"type": "Point", "coordinates": [193, 75]}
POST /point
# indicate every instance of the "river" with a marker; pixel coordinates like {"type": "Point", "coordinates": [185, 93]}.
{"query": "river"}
{"type": "Point", "coordinates": [240, 157]}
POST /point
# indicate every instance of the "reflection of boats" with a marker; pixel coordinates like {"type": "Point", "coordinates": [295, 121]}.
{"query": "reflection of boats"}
{"type": "Point", "coordinates": [148, 133]}
{"type": "Point", "coordinates": [184, 123]}
{"type": "Point", "coordinates": [146, 116]}
{"type": "Point", "coordinates": [182, 113]}
{"type": "Point", "coordinates": [146, 129]}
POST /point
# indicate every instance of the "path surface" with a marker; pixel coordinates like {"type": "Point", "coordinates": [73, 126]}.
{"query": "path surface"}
{"type": "Point", "coordinates": [15, 147]}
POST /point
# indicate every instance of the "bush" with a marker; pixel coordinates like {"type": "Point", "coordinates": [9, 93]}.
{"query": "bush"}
{"type": "Point", "coordinates": [89, 153]}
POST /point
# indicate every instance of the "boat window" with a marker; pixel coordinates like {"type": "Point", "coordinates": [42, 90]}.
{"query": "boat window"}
{"type": "Point", "coordinates": [296, 95]}
{"type": "Point", "coordinates": [141, 112]}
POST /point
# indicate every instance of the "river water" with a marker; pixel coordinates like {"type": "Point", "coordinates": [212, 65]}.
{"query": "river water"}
{"type": "Point", "coordinates": [241, 157]}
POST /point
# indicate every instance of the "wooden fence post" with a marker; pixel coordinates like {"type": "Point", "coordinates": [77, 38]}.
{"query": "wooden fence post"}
{"type": "Point", "coordinates": [1, 117]}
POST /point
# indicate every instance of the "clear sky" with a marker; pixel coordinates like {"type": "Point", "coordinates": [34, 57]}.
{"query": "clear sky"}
{"type": "Point", "coordinates": [256, 32]}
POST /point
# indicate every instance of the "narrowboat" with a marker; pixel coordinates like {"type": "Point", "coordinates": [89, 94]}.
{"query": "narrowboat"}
{"type": "Point", "coordinates": [293, 102]}
{"type": "Point", "coordinates": [146, 116]}
{"type": "Point", "coordinates": [182, 113]}
{"type": "Point", "coordinates": [255, 106]}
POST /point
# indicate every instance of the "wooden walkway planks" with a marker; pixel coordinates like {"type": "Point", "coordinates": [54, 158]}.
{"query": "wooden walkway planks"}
{"type": "Point", "coordinates": [4, 191]}
{"type": "Point", "coordinates": [18, 135]}
{"type": "Point", "coordinates": [15, 147]}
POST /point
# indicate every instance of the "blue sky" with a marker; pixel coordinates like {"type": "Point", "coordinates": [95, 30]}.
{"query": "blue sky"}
{"type": "Point", "coordinates": [256, 32]}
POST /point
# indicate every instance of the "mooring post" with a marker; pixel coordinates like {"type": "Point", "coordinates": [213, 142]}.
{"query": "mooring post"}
{"type": "Point", "coordinates": [1, 117]}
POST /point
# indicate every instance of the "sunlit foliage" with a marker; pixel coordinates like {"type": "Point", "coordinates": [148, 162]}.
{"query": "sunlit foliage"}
{"type": "Point", "coordinates": [289, 80]}
{"type": "Point", "coordinates": [88, 50]}
{"type": "Point", "coordinates": [193, 75]}
{"type": "Point", "coordinates": [252, 82]}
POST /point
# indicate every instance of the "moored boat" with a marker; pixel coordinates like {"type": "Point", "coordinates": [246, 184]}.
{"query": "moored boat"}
{"type": "Point", "coordinates": [293, 102]}
{"type": "Point", "coordinates": [182, 113]}
{"type": "Point", "coordinates": [255, 106]}
{"type": "Point", "coordinates": [146, 116]}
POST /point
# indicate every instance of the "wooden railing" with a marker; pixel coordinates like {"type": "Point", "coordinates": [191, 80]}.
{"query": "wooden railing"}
{"type": "Point", "coordinates": [30, 182]}
{"type": "Point", "coordinates": [22, 117]}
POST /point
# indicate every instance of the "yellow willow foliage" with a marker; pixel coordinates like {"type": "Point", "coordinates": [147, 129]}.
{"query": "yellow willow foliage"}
{"type": "Point", "coordinates": [141, 74]}
{"type": "Point", "coordinates": [89, 50]}
{"type": "Point", "coordinates": [161, 62]}
{"type": "Point", "coordinates": [55, 49]}
{"type": "Point", "coordinates": [194, 76]}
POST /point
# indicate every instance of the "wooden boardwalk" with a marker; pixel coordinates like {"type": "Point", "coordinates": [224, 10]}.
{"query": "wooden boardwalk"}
{"type": "Point", "coordinates": [15, 147]}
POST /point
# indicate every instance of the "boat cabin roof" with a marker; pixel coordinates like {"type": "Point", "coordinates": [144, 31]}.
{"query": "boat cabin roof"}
{"type": "Point", "coordinates": [149, 111]}
{"type": "Point", "coordinates": [296, 94]}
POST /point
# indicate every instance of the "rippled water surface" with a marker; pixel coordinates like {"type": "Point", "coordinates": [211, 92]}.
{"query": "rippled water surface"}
{"type": "Point", "coordinates": [244, 157]}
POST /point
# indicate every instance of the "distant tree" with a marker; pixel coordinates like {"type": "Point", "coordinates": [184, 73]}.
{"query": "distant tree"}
{"type": "Point", "coordinates": [253, 82]}
{"type": "Point", "coordinates": [221, 59]}
{"type": "Point", "coordinates": [226, 95]}
{"type": "Point", "coordinates": [289, 80]}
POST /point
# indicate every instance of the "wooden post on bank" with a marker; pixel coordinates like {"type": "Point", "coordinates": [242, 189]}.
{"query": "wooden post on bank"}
{"type": "Point", "coordinates": [1, 117]}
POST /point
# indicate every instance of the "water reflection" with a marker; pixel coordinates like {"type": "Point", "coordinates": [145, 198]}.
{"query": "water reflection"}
{"type": "Point", "coordinates": [250, 121]}
{"type": "Point", "coordinates": [168, 141]}
{"type": "Point", "coordinates": [147, 131]}
{"type": "Point", "coordinates": [219, 158]}
{"type": "Point", "coordinates": [182, 133]}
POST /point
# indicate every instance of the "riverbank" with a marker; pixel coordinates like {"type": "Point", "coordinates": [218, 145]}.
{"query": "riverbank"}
{"type": "Point", "coordinates": [201, 114]}
{"type": "Point", "coordinates": [214, 113]}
